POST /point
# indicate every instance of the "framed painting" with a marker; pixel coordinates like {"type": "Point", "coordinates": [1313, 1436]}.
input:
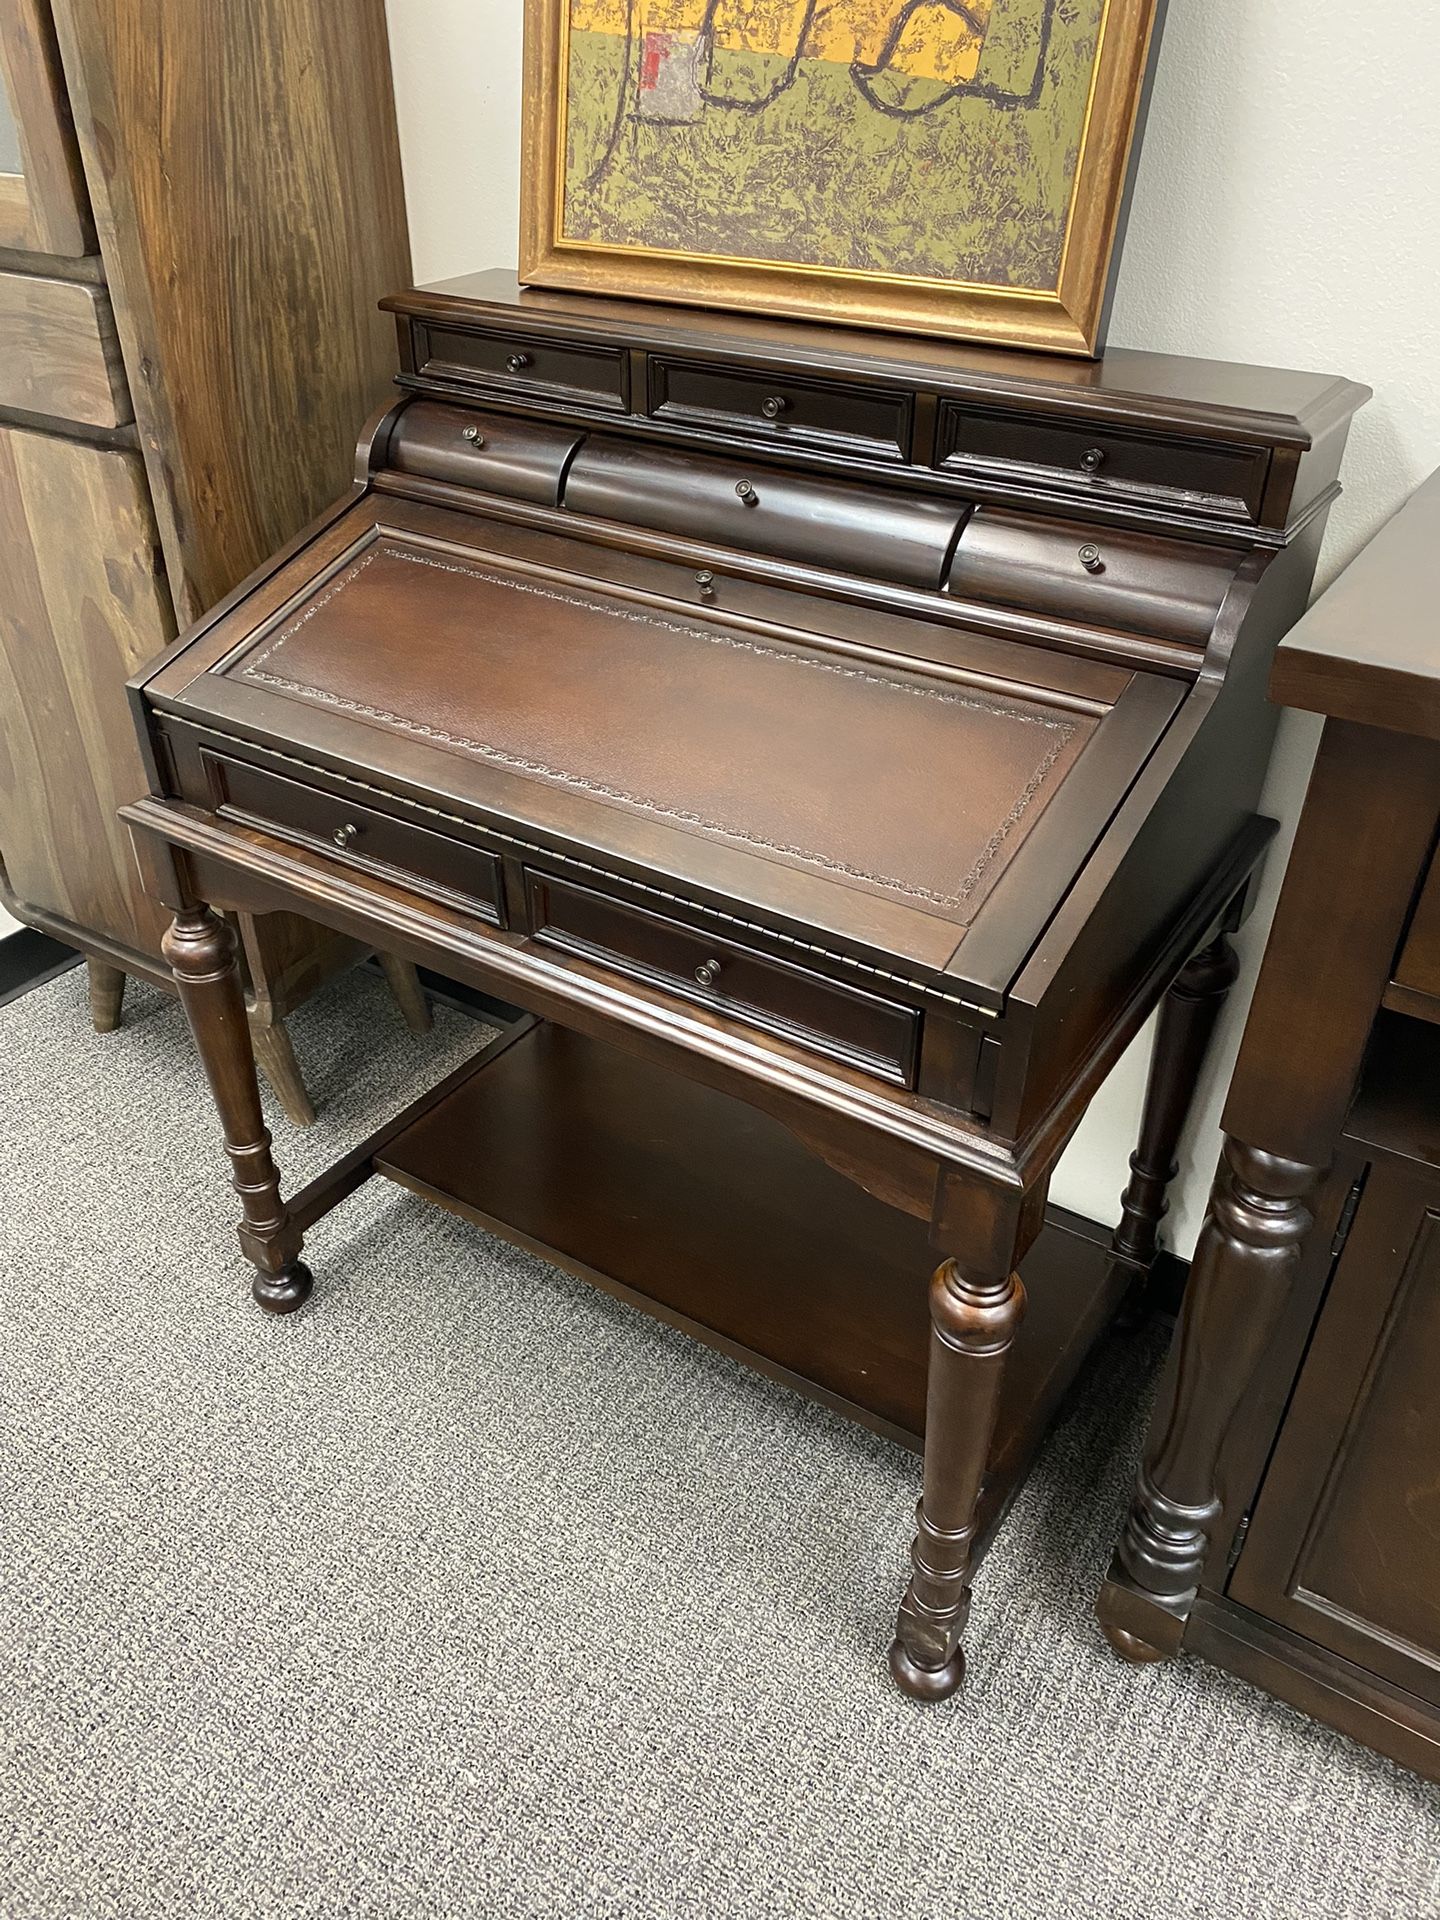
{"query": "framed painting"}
{"type": "Point", "coordinates": [956, 167]}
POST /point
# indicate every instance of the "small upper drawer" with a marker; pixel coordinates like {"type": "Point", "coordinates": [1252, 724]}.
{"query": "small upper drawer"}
{"type": "Point", "coordinates": [1100, 462]}
{"type": "Point", "coordinates": [523, 459]}
{"type": "Point", "coordinates": [859, 1028]}
{"type": "Point", "coordinates": [518, 363]}
{"type": "Point", "coordinates": [414, 854]}
{"type": "Point", "coordinates": [847, 419]}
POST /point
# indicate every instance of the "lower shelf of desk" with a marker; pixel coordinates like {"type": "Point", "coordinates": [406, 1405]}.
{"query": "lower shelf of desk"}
{"type": "Point", "coordinates": [714, 1218]}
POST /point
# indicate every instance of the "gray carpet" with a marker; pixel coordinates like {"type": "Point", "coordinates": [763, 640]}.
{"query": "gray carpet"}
{"type": "Point", "coordinates": [471, 1592]}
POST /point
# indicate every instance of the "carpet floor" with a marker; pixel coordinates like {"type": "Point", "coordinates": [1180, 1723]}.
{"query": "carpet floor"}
{"type": "Point", "coordinates": [469, 1591]}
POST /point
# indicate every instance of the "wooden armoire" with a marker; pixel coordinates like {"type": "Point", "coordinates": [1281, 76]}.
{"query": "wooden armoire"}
{"type": "Point", "coordinates": [200, 206]}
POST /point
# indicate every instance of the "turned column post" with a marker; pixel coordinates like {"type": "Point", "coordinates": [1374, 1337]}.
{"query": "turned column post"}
{"type": "Point", "coordinates": [200, 949]}
{"type": "Point", "coordinates": [1188, 1015]}
{"type": "Point", "coordinates": [1239, 1283]}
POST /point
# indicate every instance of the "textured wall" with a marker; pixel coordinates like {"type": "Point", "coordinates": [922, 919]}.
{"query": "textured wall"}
{"type": "Point", "coordinates": [1287, 211]}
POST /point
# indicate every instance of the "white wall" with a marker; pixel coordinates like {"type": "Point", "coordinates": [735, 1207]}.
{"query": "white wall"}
{"type": "Point", "coordinates": [1287, 212]}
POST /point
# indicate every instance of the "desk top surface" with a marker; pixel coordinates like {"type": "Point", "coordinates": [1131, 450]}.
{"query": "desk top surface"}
{"type": "Point", "coordinates": [1369, 648]}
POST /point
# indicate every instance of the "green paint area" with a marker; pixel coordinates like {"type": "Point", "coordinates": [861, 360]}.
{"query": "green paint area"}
{"type": "Point", "coordinates": [809, 172]}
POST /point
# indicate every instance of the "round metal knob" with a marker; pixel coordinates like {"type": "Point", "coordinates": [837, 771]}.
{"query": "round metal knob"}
{"type": "Point", "coordinates": [774, 406]}
{"type": "Point", "coordinates": [706, 583]}
{"type": "Point", "coordinates": [474, 436]}
{"type": "Point", "coordinates": [346, 836]}
{"type": "Point", "coordinates": [1092, 560]}
{"type": "Point", "coordinates": [747, 493]}
{"type": "Point", "coordinates": [518, 362]}
{"type": "Point", "coordinates": [708, 972]}
{"type": "Point", "coordinates": [1093, 459]}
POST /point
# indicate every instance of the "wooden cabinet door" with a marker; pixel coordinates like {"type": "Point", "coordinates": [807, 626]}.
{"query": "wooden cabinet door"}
{"type": "Point", "coordinates": [1344, 1544]}
{"type": "Point", "coordinates": [81, 608]}
{"type": "Point", "coordinates": [43, 206]}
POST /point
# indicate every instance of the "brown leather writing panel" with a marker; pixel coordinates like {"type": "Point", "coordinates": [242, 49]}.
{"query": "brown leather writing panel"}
{"type": "Point", "coordinates": [895, 783]}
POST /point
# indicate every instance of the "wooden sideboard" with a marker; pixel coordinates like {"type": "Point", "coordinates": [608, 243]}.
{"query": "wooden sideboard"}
{"type": "Point", "coordinates": [838, 746]}
{"type": "Point", "coordinates": [1286, 1521]}
{"type": "Point", "coordinates": [191, 196]}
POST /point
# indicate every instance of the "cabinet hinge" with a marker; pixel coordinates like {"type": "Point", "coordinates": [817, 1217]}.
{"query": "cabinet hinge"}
{"type": "Point", "coordinates": [1237, 1543]}
{"type": "Point", "coordinates": [1347, 1219]}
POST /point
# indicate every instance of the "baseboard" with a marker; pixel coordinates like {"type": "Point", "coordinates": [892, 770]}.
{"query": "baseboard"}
{"type": "Point", "coordinates": [28, 959]}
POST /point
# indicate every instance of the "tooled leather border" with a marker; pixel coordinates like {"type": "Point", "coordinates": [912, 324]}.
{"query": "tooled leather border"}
{"type": "Point", "coordinates": [1062, 731]}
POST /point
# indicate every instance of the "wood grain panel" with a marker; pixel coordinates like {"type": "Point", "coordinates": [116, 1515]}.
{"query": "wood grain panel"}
{"type": "Point", "coordinates": [45, 209]}
{"type": "Point", "coordinates": [245, 169]}
{"type": "Point", "coordinates": [59, 352]}
{"type": "Point", "coordinates": [84, 609]}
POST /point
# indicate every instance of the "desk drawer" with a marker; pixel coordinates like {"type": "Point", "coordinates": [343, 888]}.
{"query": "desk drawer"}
{"type": "Point", "coordinates": [858, 1028]}
{"type": "Point", "coordinates": [772, 406]}
{"type": "Point", "coordinates": [1102, 463]}
{"type": "Point", "coordinates": [518, 363]}
{"type": "Point", "coordinates": [412, 854]}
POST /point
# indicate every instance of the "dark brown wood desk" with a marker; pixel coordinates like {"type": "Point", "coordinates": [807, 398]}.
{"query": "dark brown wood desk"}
{"type": "Point", "coordinates": [1286, 1522]}
{"type": "Point", "coordinates": [839, 745]}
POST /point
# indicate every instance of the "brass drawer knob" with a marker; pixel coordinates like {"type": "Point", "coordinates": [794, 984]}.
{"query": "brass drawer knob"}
{"type": "Point", "coordinates": [708, 972]}
{"type": "Point", "coordinates": [518, 362]}
{"type": "Point", "coordinates": [1093, 459]}
{"type": "Point", "coordinates": [747, 493]}
{"type": "Point", "coordinates": [705, 581]}
{"type": "Point", "coordinates": [774, 406]}
{"type": "Point", "coordinates": [347, 835]}
{"type": "Point", "coordinates": [1092, 559]}
{"type": "Point", "coordinates": [474, 436]}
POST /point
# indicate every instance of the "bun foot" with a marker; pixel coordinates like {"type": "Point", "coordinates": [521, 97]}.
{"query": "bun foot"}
{"type": "Point", "coordinates": [283, 1292]}
{"type": "Point", "coordinates": [1131, 1647]}
{"type": "Point", "coordinates": [926, 1683]}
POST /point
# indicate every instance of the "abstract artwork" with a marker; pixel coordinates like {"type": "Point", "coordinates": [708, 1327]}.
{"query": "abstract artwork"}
{"type": "Point", "coordinates": [956, 165]}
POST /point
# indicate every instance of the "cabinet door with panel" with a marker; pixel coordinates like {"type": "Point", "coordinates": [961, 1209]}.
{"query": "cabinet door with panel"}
{"type": "Point", "coordinates": [85, 606]}
{"type": "Point", "coordinates": [1344, 1544]}
{"type": "Point", "coordinates": [43, 207]}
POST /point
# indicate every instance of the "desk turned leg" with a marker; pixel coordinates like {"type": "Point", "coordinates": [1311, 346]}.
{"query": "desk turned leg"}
{"type": "Point", "coordinates": [973, 1323]}
{"type": "Point", "coordinates": [200, 948]}
{"type": "Point", "coordinates": [1244, 1263]}
{"type": "Point", "coordinates": [1187, 1021]}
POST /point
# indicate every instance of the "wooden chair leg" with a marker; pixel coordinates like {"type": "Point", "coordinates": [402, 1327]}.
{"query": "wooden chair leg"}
{"type": "Point", "coordinates": [1239, 1281]}
{"type": "Point", "coordinates": [409, 994]}
{"type": "Point", "coordinates": [1187, 1022]}
{"type": "Point", "coordinates": [107, 994]}
{"type": "Point", "coordinates": [276, 1057]}
{"type": "Point", "coordinates": [200, 948]}
{"type": "Point", "coordinates": [974, 1318]}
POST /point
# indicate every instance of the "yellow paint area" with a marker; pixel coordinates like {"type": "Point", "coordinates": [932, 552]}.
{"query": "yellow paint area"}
{"type": "Point", "coordinates": [936, 42]}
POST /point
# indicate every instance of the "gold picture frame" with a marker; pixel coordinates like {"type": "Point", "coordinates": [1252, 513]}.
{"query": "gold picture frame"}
{"type": "Point", "coordinates": [656, 88]}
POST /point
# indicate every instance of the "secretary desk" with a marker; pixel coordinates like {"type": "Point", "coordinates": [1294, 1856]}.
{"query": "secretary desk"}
{"type": "Point", "coordinates": [838, 745]}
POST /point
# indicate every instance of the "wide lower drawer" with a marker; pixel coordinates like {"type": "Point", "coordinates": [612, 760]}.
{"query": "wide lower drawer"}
{"type": "Point", "coordinates": [848, 1024]}
{"type": "Point", "coordinates": [431, 861]}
